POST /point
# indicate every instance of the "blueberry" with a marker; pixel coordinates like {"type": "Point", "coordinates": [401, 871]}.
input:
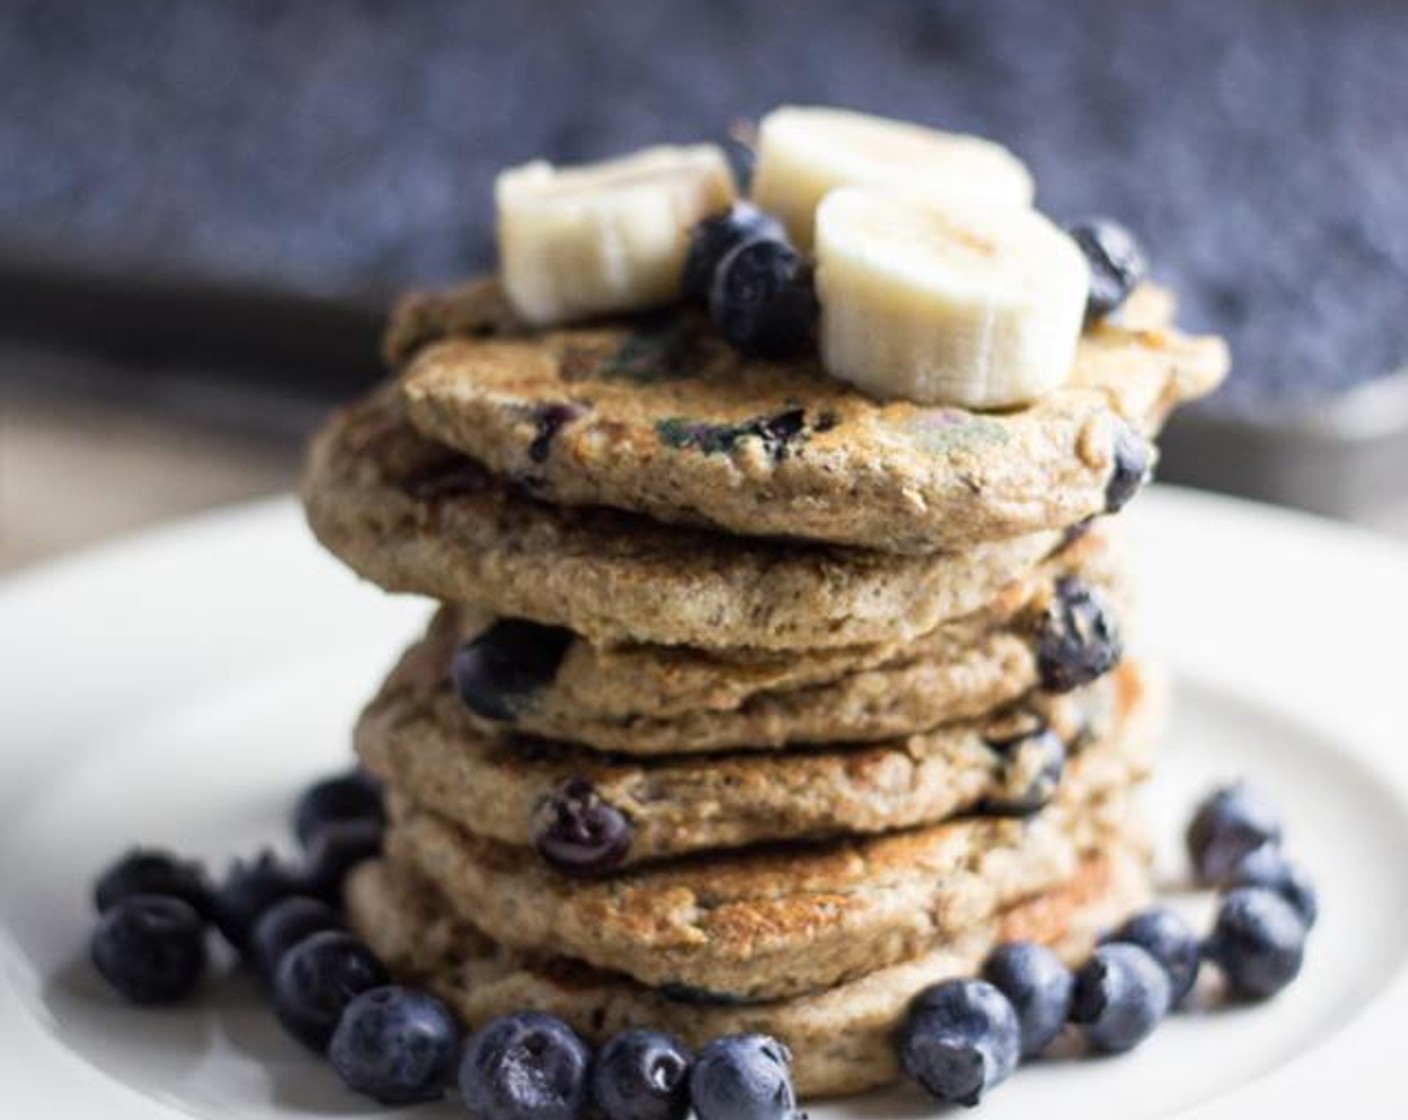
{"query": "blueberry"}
{"type": "Point", "coordinates": [1168, 939]}
{"type": "Point", "coordinates": [353, 796]}
{"type": "Point", "coordinates": [1134, 461]}
{"type": "Point", "coordinates": [1230, 824]}
{"type": "Point", "coordinates": [498, 673]}
{"type": "Point", "coordinates": [1037, 985]}
{"type": "Point", "coordinates": [337, 848]}
{"type": "Point", "coordinates": [152, 871]}
{"type": "Point", "coordinates": [1077, 640]}
{"type": "Point", "coordinates": [283, 926]}
{"type": "Point", "coordinates": [1267, 866]}
{"type": "Point", "coordinates": [763, 299]}
{"type": "Point", "coordinates": [959, 1039]}
{"type": "Point", "coordinates": [150, 947]}
{"type": "Point", "coordinates": [743, 1077]}
{"type": "Point", "coordinates": [528, 1066]}
{"type": "Point", "coordinates": [549, 419]}
{"type": "Point", "coordinates": [712, 239]}
{"type": "Point", "coordinates": [779, 433]}
{"type": "Point", "coordinates": [1258, 941]}
{"type": "Point", "coordinates": [1032, 766]}
{"type": "Point", "coordinates": [642, 1075]}
{"type": "Point", "coordinates": [1117, 263]}
{"type": "Point", "coordinates": [575, 830]}
{"type": "Point", "coordinates": [250, 887]}
{"type": "Point", "coordinates": [316, 980]}
{"type": "Point", "coordinates": [396, 1045]}
{"type": "Point", "coordinates": [1120, 996]}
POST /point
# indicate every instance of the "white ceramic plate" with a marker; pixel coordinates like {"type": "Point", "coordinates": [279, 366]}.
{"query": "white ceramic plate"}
{"type": "Point", "coordinates": [180, 688]}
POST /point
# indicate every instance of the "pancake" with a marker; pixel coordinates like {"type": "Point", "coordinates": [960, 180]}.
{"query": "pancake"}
{"type": "Point", "coordinates": [764, 922]}
{"type": "Point", "coordinates": [841, 1039]}
{"type": "Point", "coordinates": [660, 416]}
{"type": "Point", "coordinates": [510, 789]}
{"type": "Point", "coordinates": [653, 699]}
{"type": "Point", "coordinates": [412, 516]}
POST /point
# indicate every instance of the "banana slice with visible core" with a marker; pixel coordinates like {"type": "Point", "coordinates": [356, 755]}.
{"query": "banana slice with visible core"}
{"type": "Point", "coordinates": [604, 237]}
{"type": "Point", "coordinates": [946, 303]}
{"type": "Point", "coordinates": [805, 152]}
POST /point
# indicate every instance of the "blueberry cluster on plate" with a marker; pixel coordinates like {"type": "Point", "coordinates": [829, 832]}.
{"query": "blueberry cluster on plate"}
{"type": "Point", "coordinates": [963, 1037]}
{"type": "Point", "coordinates": [395, 1043]}
{"type": "Point", "coordinates": [282, 918]}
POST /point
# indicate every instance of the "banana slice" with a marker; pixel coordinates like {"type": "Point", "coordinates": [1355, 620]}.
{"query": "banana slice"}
{"type": "Point", "coordinates": [604, 237]}
{"type": "Point", "coordinates": [946, 303]}
{"type": "Point", "coordinates": [805, 152]}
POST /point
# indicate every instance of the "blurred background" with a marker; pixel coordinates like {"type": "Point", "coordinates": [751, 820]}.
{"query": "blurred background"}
{"type": "Point", "coordinates": [206, 205]}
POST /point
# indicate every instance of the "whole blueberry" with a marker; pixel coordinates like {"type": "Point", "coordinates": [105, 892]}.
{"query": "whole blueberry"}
{"type": "Point", "coordinates": [528, 1066]}
{"type": "Point", "coordinates": [396, 1045]}
{"type": "Point", "coordinates": [1267, 866]}
{"type": "Point", "coordinates": [316, 980]}
{"type": "Point", "coordinates": [338, 847]}
{"type": "Point", "coordinates": [1258, 941]}
{"type": "Point", "coordinates": [642, 1075]}
{"type": "Point", "coordinates": [1117, 263]}
{"type": "Point", "coordinates": [153, 871]}
{"type": "Point", "coordinates": [712, 239]}
{"type": "Point", "coordinates": [1230, 824]}
{"type": "Point", "coordinates": [763, 299]}
{"type": "Point", "coordinates": [960, 1039]}
{"type": "Point", "coordinates": [743, 1077]}
{"type": "Point", "coordinates": [1032, 766]}
{"type": "Point", "coordinates": [150, 947]}
{"type": "Point", "coordinates": [1077, 640]}
{"type": "Point", "coordinates": [250, 887]}
{"type": "Point", "coordinates": [498, 674]}
{"type": "Point", "coordinates": [1037, 985]}
{"type": "Point", "coordinates": [1169, 940]}
{"type": "Point", "coordinates": [1134, 461]}
{"type": "Point", "coordinates": [1120, 996]}
{"type": "Point", "coordinates": [576, 831]}
{"type": "Point", "coordinates": [284, 925]}
{"type": "Point", "coordinates": [353, 796]}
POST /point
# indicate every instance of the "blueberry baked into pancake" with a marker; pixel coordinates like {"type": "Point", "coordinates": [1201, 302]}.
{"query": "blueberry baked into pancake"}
{"type": "Point", "coordinates": [780, 723]}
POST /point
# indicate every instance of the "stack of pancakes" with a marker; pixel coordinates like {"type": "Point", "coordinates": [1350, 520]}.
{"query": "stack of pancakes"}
{"type": "Point", "coordinates": [752, 703]}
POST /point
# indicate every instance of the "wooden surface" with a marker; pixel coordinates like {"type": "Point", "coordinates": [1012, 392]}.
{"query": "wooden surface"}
{"type": "Point", "coordinates": [75, 472]}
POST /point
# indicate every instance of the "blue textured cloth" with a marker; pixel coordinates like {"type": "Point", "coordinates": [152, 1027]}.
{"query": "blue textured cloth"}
{"type": "Point", "coordinates": [347, 148]}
